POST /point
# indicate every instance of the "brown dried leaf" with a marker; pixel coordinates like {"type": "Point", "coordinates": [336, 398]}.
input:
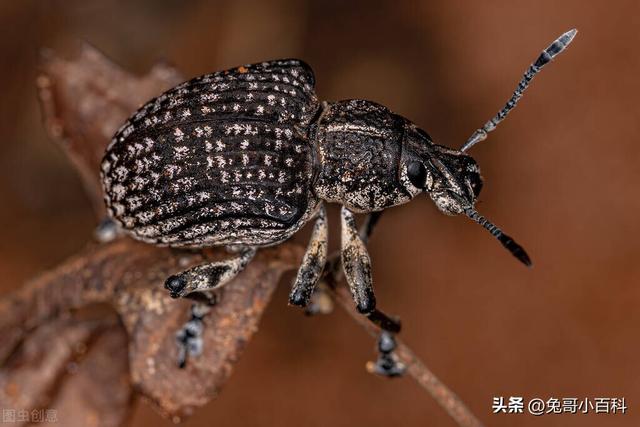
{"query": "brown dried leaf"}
{"type": "Point", "coordinates": [85, 100]}
{"type": "Point", "coordinates": [153, 319]}
{"type": "Point", "coordinates": [62, 365]}
{"type": "Point", "coordinates": [99, 393]}
{"type": "Point", "coordinates": [82, 280]}
{"type": "Point", "coordinates": [90, 277]}
{"type": "Point", "coordinates": [32, 371]}
{"type": "Point", "coordinates": [130, 276]}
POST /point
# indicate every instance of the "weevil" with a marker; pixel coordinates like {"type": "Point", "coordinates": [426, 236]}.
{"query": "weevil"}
{"type": "Point", "coordinates": [244, 158]}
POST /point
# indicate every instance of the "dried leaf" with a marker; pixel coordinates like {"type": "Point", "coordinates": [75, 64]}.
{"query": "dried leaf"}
{"type": "Point", "coordinates": [61, 365]}
{"type": "Point", "coordinates": [82, 280]}
{"type": "Point", "coordinates": [130, 276]}
{"type": "Point", "coordinates": [88, 278]}
{"type": "Point", "coordinates": [99, 393]}
{"type": "Point", "coordinates": [32, 371]}
{"type": "Point", "coordinates": [153, 319]}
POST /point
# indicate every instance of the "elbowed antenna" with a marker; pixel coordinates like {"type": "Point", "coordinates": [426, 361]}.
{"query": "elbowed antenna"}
{"type": "Point", "coordinates": [545, 57]}
{"type": "Point", "coordinates": [515, 249]}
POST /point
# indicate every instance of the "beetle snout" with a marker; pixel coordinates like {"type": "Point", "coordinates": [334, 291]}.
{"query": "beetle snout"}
{"type": "Point", "coordinates": [449, 203]}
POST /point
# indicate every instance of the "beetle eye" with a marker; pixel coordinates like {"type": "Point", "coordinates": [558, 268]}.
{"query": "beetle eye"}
{"type": "Point", "coordinates": [417, 173]}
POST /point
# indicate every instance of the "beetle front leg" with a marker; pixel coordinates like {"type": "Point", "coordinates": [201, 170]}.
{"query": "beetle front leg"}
{"type": "Point", "coordinates": [357, 269]}
{"type": "Point", "coordinates": [313, 263]}
{"type": "Point", "coordinates": [356, 264]}
{"type": "Point", "coordinates": [208, 276]}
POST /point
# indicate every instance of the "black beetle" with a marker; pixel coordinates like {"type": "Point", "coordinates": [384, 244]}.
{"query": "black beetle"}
{"type": "Point", "coordinates": [246, 157]}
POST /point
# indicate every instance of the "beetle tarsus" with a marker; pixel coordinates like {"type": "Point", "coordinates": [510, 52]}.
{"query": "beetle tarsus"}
{"type": "Point", "coordinates": [189, 337]}
{"type": "Point", "coordinates": [387, 364]}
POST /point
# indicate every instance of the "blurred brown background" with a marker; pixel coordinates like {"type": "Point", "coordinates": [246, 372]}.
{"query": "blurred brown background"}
{"type": "Point", "coordinates": [561, 173]}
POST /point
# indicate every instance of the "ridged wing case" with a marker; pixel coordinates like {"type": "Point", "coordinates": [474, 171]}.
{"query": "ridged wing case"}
{"type": "Point", "coordinates": [221, 159]}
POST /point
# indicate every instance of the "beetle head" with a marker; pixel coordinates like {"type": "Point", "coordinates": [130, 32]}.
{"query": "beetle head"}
{"type": "Point", "coordinates": [451, 178]}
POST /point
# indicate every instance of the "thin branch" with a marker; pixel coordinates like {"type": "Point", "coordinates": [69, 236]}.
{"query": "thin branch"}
{"type": "Point", "coordinates": [446, 398]}
{"type": "Point", "coordinates": [416, 369]}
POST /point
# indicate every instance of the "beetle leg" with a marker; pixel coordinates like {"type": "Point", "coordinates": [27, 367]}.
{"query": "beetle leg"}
{"type": "Point", "coordinates": [313, 262]}
{"type": "Point", "coordinates": [189, 337]}
{"type": "Point", "coordinates": [369, 224]}
{"type": "Point", "coordinates": [385, 322]}
{"type": "Point", "coordinates": [320, 301]}
{"type": "Point", "coordinates": [356, 264]}
{"type": "Point", "coordinates": [334, 264]}
{"type": "Point", "coordinates": [208, 276]}
{"type": "Point", "coordinates": [357, 268]}
{"type": "Point", "coordinates": [107, 231]}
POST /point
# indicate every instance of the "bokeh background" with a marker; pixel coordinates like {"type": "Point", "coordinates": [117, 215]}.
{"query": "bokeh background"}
{"type": "Point", "coordinates": [562, 176]}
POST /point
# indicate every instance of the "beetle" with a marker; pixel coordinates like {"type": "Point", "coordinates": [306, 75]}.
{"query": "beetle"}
{"type": "Point", "coordinates": [244, 158]}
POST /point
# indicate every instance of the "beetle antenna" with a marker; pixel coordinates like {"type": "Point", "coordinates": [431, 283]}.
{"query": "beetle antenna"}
{"type": "Point", "coordinates": [515, 249]}
{"type": "Point", "coordinates": [545, 57]}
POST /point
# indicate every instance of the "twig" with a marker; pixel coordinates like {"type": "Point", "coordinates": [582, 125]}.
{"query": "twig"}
{"type": "Point", "coordinates": [446, 398]}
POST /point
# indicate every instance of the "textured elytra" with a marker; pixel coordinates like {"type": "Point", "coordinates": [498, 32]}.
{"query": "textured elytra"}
{"type": "Point", "coordinates": [220, 159]}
